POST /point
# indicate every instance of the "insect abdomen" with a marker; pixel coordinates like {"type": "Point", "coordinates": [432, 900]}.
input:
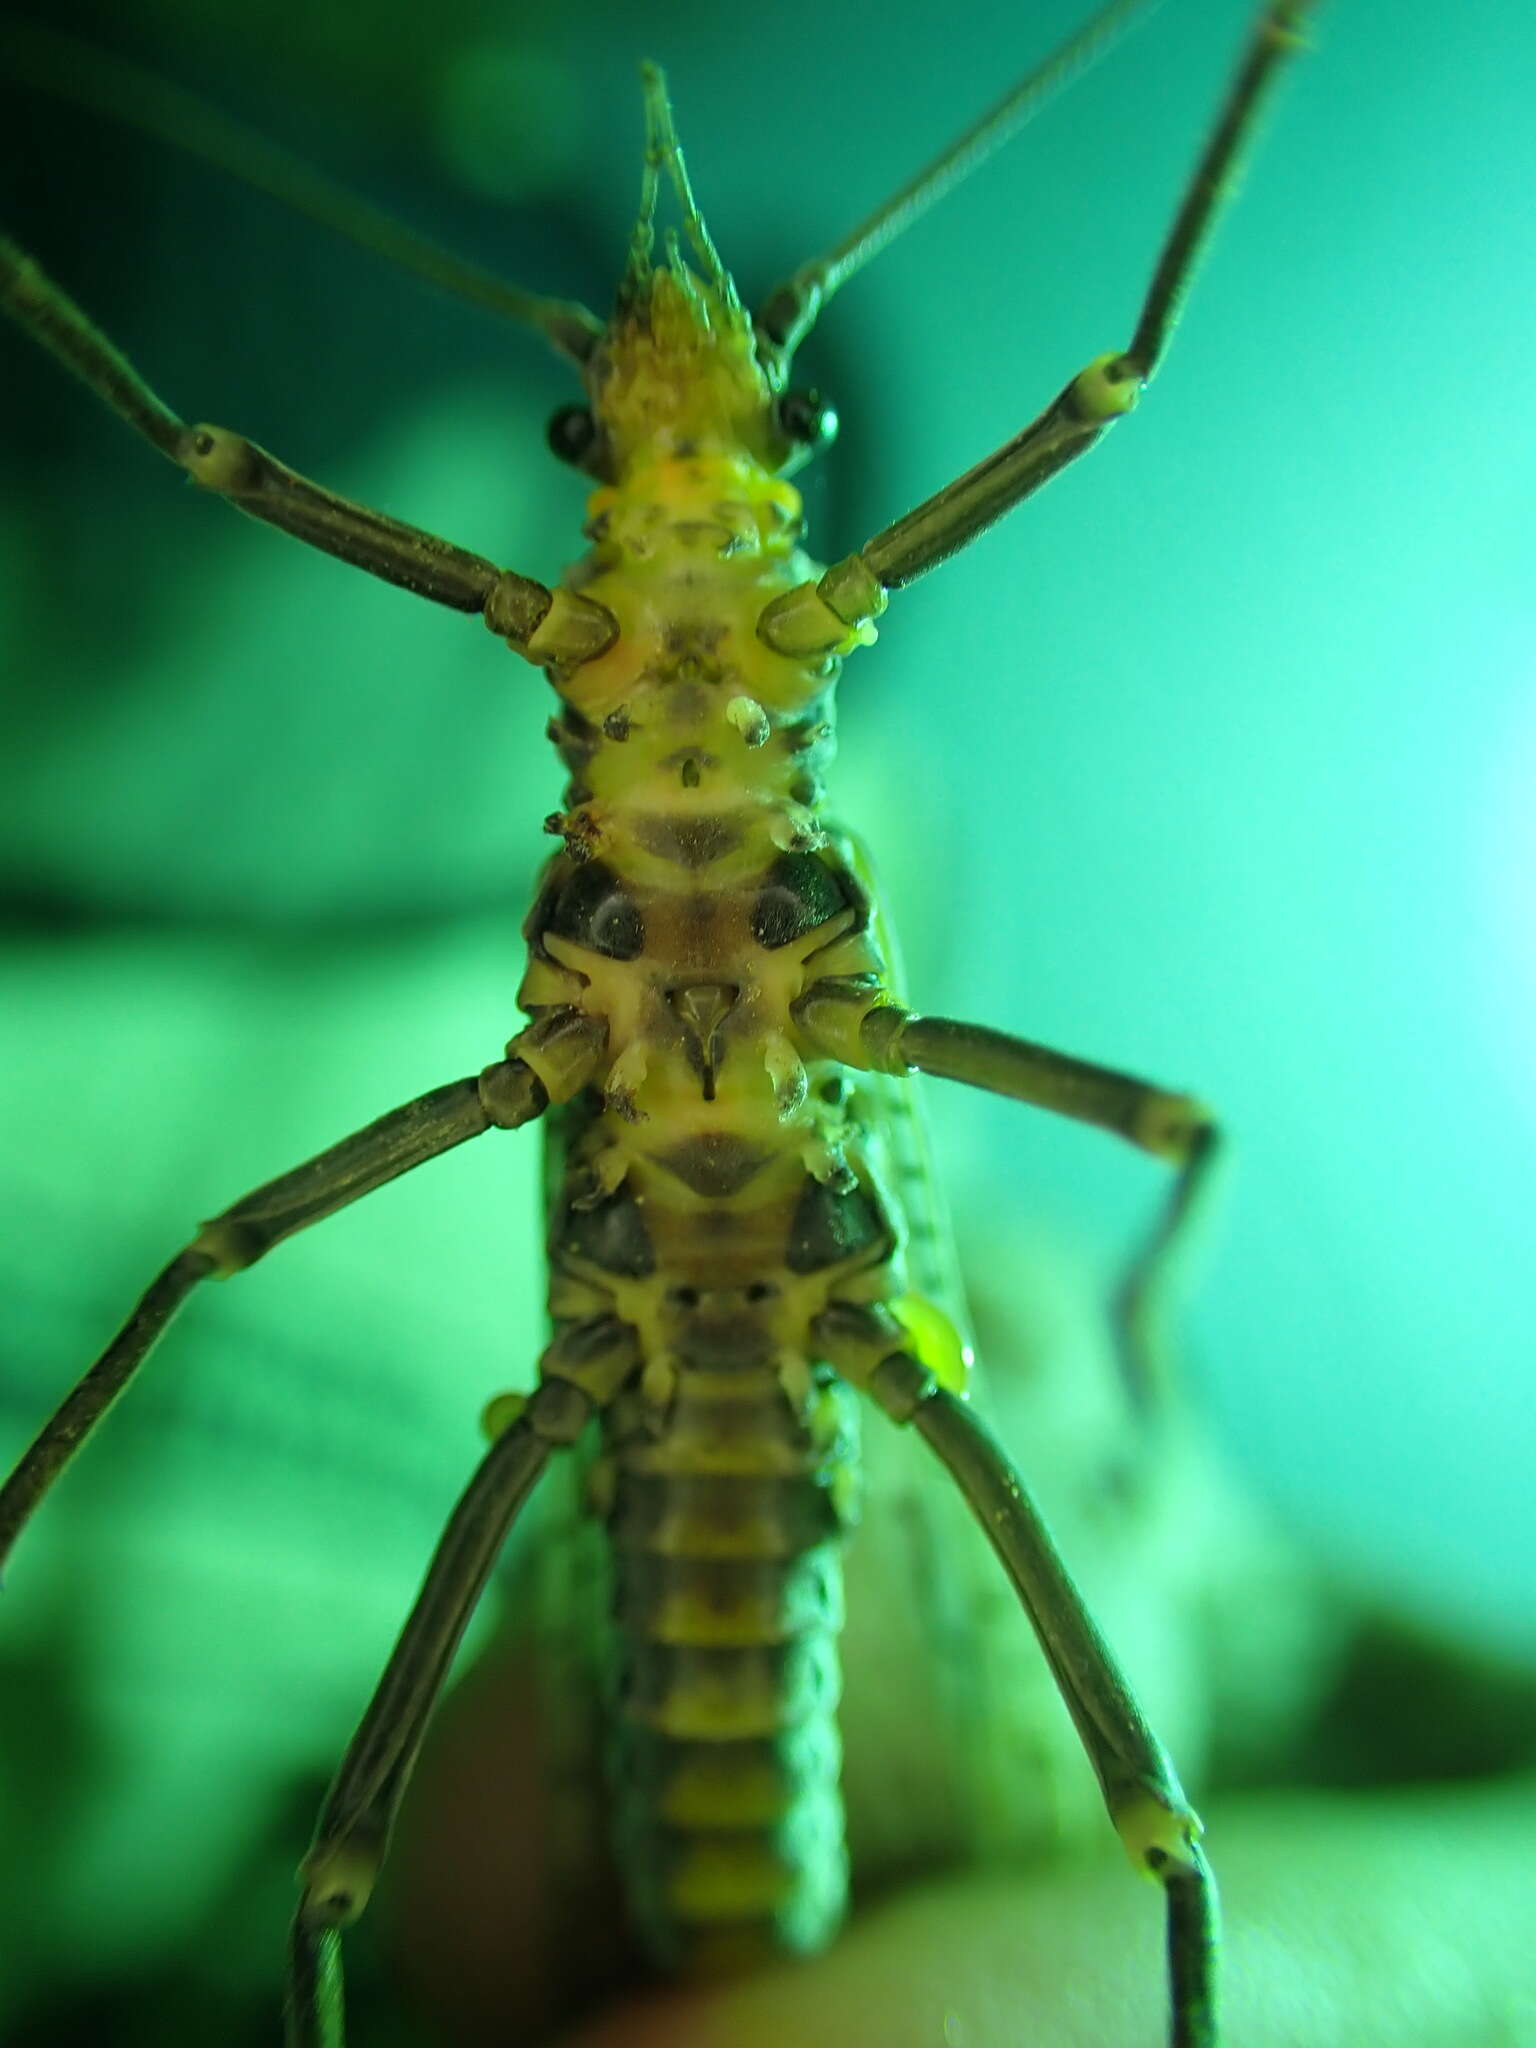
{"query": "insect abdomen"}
{"type": "Point", "coordinates": [728, 1600]}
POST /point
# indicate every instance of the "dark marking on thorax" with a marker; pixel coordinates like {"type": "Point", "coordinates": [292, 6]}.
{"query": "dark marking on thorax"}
{"type": "Point", "coordinates": [589, 904]}
{"type": "Point", "coordinates": [690, 841]}
{"type": "Point", "coordinates": [715, 1164]}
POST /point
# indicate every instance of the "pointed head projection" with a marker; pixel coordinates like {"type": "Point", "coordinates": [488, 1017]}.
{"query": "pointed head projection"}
{"type": "Point", "coordinates": [681, 366]}
{"type": "Point", "coordinates": [681, 363]}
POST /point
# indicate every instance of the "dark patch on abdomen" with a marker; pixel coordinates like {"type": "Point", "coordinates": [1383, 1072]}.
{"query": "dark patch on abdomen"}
{"type": "Point", "coordinates": [589, 905]}
{"type": "Point", "coordinates": [799, 893]}
{"type": "Point", "coordinates": [724, 1602]}
{"type": "Point", "coordinates": [724, 1341]}
{"type": "Point", "coordinates": [829, 1227]}
{"type": "Point", "coordinates": [689, 841]}
{"type": "Point", "coordinates": [612, 1236]}
{"type": "Point", "coordinates": [720, 1515]}
{"type": "Point", "coordinates": [715, 1163]}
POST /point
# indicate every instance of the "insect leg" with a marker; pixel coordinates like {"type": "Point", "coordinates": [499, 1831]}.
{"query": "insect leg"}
{"type": "Point", "coordinates": [1159, 1828]}
{"type": "Point", "coordinates": [816, 617]}
{"type": "Point", "coordinates": [507, 1094]}
{"type": "Point", "coordinates": [788, 313]}
{"type": "Point", "coordinates": [1154, 1820]}
{"type": "Point", "coordinates": [1172, 1127]}
{"type": "Point", "coordinates": [515, 607]}
{"type": "Point", "coordinates": [850, 1021]}
{"type": "Point", "coordinates": [1157, 1274]}
{"type": "Point", "coordinates": [579, 1374]}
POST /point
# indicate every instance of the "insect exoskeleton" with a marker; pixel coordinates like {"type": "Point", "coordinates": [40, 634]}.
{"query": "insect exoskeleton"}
{"type": "Point", "coordinates": [718, 1055]}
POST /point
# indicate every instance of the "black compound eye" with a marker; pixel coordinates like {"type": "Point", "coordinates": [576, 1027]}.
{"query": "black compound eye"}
{"type": "Point", "coordinates": [571, 433]}
{"type": "Point", "coordinates": [807, 418]}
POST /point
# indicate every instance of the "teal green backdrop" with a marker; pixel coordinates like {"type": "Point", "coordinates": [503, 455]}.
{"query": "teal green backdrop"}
{"type": "Point", "coordinates": [1215, 762]}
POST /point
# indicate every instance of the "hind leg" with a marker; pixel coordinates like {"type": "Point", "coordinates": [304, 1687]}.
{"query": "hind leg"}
{"type": "Point", "coordinates": [579, 1374]}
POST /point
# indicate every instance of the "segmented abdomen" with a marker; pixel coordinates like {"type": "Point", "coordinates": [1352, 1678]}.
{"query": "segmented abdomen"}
{"type": "Point", "coordinates": [728, 1599]}
{"type": "Point", "coordinates": [703, 1194]}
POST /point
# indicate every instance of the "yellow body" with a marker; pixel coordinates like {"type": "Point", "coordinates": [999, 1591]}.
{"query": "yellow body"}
{"type": "Point", "coordinates": [723, 1189]}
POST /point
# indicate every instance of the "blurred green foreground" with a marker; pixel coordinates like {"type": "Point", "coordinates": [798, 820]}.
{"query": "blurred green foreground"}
{"type": "Point", "coordinates": [1217, 768]}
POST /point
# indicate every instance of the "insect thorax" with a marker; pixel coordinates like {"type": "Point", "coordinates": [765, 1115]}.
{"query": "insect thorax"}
{"type": "Point", "coordinates": [713, 1192]}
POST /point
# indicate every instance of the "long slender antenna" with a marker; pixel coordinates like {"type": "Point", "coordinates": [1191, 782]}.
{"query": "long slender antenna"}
{"type": "Point", "coordinates": [103, 83]}
{"type": "Point", "coordinates": [790, 311]}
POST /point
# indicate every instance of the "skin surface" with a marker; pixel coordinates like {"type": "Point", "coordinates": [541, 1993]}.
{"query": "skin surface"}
{"type": "Point", "coordinates": [1404, 1918]}
{"type": "Point", "coordinates": [1336, 1937]}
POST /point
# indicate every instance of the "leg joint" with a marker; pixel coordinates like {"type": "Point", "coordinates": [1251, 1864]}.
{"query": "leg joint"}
{"type": "Point", "coordinates": [338, 1877]}
{"type": "Point", "coordinates": [1159, 1833]}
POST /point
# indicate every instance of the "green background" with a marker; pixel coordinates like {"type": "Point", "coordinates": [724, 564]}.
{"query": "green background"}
{"type": "Point", "coordinates": [1214, 763]}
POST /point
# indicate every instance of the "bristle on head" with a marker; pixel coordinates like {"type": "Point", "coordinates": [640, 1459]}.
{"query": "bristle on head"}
{"type": "Point", "coordinates": [679, 364]}
{"type": "Point", "coordinates": [663, 152]}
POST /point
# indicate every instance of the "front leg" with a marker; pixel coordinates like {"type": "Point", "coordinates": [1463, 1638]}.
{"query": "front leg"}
{"type": "Point", "coordinates": [544, 624]}
{"type": "Point", "coordinates": [818, 618]}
